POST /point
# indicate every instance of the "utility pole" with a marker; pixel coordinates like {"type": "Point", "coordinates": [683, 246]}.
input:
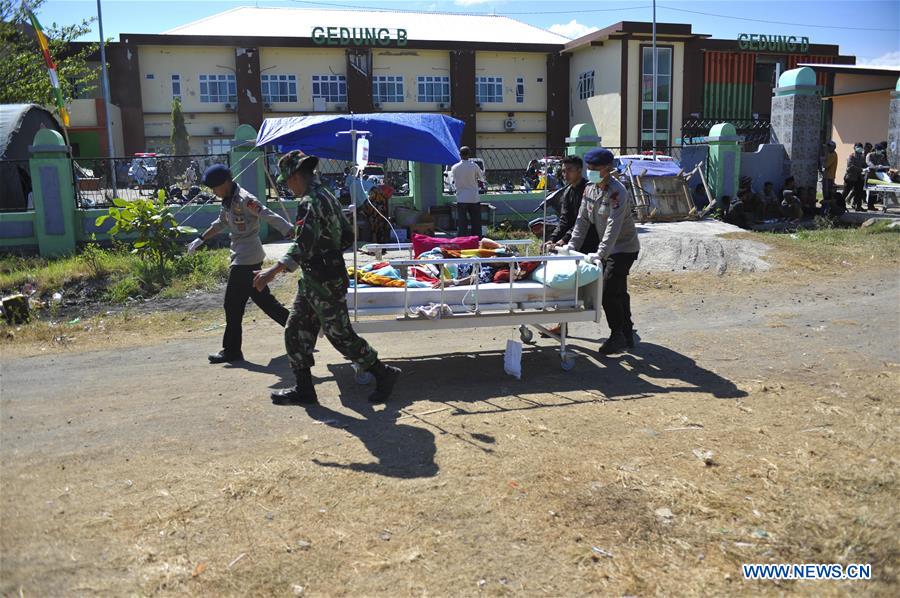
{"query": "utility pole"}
{"type": "Point", "coordinates": [653, 134]}
{"type": "Point", "coordinates": [104, 79]}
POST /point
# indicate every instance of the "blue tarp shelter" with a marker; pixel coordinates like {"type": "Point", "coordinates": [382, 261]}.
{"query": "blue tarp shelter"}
{"type": "Point", "coordinates": [429, 138]}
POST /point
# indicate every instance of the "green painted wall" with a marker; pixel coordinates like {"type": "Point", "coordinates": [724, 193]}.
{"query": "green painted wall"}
{"type": "Point", "coordinates": [88, 143]}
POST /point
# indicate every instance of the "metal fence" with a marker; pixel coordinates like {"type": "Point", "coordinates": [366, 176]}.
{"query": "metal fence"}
{"type": "Point", "coordinates": [753, 132]}
{"type": "Point", "coordinates": [140, 177]}
{"type": "Point", "coordinates": [333, 174]}
{"type": "Point", "coordinates": [15, 186]}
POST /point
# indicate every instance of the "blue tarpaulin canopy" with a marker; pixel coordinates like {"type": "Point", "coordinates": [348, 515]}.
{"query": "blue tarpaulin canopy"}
{"type": "Point", "coordinates": [650, 167]}
{"type": "Point", "coordinates": [429, 138]}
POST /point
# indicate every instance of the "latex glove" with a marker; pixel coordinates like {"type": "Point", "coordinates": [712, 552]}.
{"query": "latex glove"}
{"type": "Point", "coordinates": [194, 245]}
{"type": "Point", "coordinates": [593, 258]}
{"type": "Point", "coordinates": [564, 250]}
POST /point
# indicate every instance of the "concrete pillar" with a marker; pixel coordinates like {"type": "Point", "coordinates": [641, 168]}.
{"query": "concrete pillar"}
{"type": "Point", "coordinates": [359, 81]}
{"type": "Point", "coordinates": [53, 194]}
{"type": "Point", "coordinates": [723, 167]}
{"type": "Point", "coordinates": [894, 128]}
{"type": "Point", "coordinates": [557, 117]}
{"type": "Point", "coordinates": [426, 185]}
{"type": "Point", "coordinates": [462, 93]}
{"type": "Point", "coordinates": [797, 123]}
{"type": "Point", "coordinates": [248, 164]}
{"type": "Point", "coordinates": [582, 139]}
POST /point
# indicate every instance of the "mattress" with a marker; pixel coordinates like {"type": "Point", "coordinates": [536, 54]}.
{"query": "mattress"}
{"type": "Point", "coordinates": [526, 293]}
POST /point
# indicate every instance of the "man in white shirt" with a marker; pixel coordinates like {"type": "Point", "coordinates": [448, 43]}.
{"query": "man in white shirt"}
{"type": "Point", "coordinates": [466, 175]}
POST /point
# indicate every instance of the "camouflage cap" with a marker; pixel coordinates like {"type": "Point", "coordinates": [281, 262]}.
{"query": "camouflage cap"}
{"type": "Point", "coordinates": [293, 161]}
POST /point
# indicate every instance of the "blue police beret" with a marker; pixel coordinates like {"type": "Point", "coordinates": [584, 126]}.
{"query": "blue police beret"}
{"type": "Point", "coordinates": [599, 157]}
{"type": "Point", "coordinates": [215, 175]}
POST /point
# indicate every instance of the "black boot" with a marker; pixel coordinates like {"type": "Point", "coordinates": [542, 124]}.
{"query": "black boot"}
{"type": "Point", "coordinates": [304, 393]}
{"type": "Point", "coordinates": [632, 338]}
{"type": "Point", "coordinates": [225, 357]}
{"type": "Point", "coordinates": [616, 343]}
{"type": "Point", "coordinates": [385, 378]}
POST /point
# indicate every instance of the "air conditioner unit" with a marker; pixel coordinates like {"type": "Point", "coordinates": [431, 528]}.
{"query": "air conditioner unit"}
{"type": "Point", "coordinates": [218, 130]}
{"type": "Point", "coordinates": [510, 124]}
{"type": "Point", "coordinates": [319, 104]}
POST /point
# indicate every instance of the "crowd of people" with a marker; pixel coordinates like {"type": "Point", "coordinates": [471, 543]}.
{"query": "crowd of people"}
{"type": "Point", "coordinates": [793, 203]}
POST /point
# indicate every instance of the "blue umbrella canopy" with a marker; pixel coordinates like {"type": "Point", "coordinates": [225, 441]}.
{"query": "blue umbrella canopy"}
{"type": "Point", "coordinates": [429, 138]}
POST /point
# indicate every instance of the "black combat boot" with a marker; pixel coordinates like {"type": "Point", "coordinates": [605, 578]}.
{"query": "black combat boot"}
{"type": "Point", "coordinates": [632, 338]}
{"type": "Point", "coordinates": [304, 393]}
{"type": "Point", "coordinates": [616, 343]}
{"type": "Point", "coordinates": [225, 357]}
{"type": "Point", "coordinates": [385, 378]}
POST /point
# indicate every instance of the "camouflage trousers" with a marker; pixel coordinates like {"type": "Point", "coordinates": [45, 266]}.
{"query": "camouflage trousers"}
{"type": "Point", "coordinates": [321, 305]}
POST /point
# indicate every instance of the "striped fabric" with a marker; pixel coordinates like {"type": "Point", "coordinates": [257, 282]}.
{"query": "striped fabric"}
{"type": "Point", "coordinates": [728, 84]}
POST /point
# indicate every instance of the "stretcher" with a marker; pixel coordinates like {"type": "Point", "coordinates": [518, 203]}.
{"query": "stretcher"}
{"type": "Point", "coordinates": [528, 304]}
{"type": "Point", "coordinates": [879, 182]}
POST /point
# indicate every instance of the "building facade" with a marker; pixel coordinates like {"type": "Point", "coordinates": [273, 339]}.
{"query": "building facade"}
{"type": "Point", "coordinates": [700, 81]}
{"type": "Point", "coordinates": [514, 85]}
{"type": "Point", "coordinates": [500, 76]}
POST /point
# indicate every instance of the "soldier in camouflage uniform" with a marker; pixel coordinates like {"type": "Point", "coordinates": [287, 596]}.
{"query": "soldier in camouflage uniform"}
{"type": "Point", "coordinates": [320, 235]}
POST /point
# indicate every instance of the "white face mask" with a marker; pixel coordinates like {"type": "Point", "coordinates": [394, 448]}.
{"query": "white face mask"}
{"type": "Point", "coordinates": [594, 176]}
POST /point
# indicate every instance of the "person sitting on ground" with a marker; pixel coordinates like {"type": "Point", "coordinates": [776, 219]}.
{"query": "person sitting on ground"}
{"type": "Point", "coordinates": [752, 205]}
{"type": "Point", "coordinates": [770, 201]}
{"type": "Point", "coordinates": [701, 200]}
{"type": "Point", "coordinates": [807, 196]}
{"type": "Point", "coordinates": [789, 185]}
{"type": "Point", "coordinates": [791, 208]}
{"type": "Point", "coordinates": [735, 213]}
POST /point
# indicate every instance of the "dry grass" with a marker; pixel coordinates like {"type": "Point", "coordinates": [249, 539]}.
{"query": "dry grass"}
{"type": "Point", "coordinates": [549, 501]}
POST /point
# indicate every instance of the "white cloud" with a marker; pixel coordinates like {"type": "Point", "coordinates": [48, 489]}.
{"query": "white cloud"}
{"type": "Point", "coordinates": [573, 29]}
{"type": "Point", "coordinates": [887, 59]}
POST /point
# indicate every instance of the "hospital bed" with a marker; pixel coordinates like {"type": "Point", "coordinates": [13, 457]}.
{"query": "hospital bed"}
{"type": "Point", "coordinates": [528, 304]}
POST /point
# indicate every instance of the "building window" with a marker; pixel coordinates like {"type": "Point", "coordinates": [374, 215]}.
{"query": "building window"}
{"type": "Point", "coordinates": [663, 96]}
{"type": "Point", "coordinates": [388, 88]}
{"type": "Point", "coordinates": [586, 85]}
{"type": "Point", "coordinates": [488, 90]}
{"type": "Point", "coordinates": [278, 88]}
{"type": "Point", "coordinates": [176, 87]}
{"type": "Point", "coordinates": [218, 89]}
{"type": "Point", "coordinates": [218, 146]}
{"type": "Point", "coordinates": [433, 89]}
{"type": "Point", "coordinates": [520, 90]}
{"type": "Point", "coordinates": [331, 87]}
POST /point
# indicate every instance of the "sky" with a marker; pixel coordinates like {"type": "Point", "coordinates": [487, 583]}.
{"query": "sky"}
{"type": "Point", "coordinates": [869, 30]}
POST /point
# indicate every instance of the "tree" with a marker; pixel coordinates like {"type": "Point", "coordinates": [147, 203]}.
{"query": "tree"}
{"type": "Point", "coordinates": [179, 137]}
{"type": "Point", "coordinates": [23, 75]}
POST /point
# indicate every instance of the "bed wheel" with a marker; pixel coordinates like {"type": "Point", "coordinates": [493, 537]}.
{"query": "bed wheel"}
{"type": "Point", "coordinates": [526, 334]}
{"type": "Point", "coordinates": [362, 376]}
{"type": "Point", "coordinates": [567, 362]}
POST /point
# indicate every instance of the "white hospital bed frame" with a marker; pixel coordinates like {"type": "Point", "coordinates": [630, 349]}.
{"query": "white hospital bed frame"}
{"type": "Point", "coordinates": [524, 314]}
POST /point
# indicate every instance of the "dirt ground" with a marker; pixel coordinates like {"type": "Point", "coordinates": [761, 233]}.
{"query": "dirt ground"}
{"type": "Point", "coordinates": [756, 422]}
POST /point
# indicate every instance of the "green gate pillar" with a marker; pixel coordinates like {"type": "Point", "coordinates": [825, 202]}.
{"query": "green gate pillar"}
{"type": "Point", "coordinates": [582, 139]}
{"type": "Point", "coordinates": [53, 194]}
{"type": "Point", "coordinates": [426, 185]}
{"type": "Point", "coordinates": [797, 123]}
{"type": "Point", "coordinates": [248, 164]}
{"type": "Point", "coordinates": [723, 167]}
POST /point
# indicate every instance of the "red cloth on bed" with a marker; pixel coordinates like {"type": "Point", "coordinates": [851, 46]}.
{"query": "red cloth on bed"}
{"type": "Point", "coordinates": [423, 243]}
{"type": "Point", "coordinates": [525, 268]}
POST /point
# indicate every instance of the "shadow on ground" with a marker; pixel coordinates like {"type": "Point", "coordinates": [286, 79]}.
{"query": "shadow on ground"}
{"type": "Point", "coordinates": [473, 383]}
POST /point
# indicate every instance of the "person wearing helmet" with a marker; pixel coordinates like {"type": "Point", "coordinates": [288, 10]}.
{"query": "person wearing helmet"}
{"type": "Point", "coordinates": [606, 205]}
{"type": "Point", "coordinates": [240, 214]}
{"type": "Point", "coordinates": [321, 234]}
